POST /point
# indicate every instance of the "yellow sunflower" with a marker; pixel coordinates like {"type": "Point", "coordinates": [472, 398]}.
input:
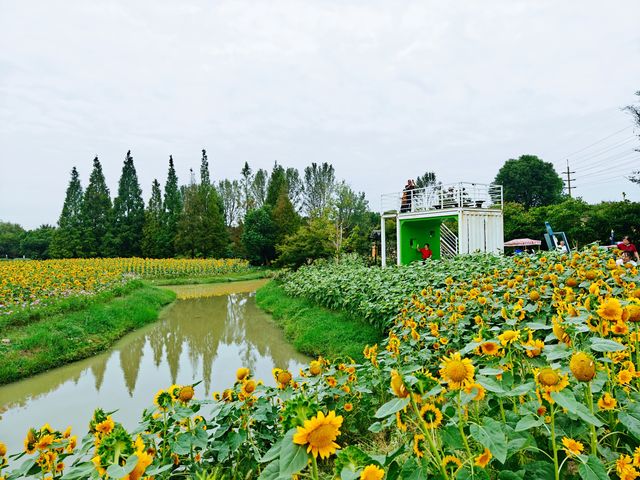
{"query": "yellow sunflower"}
{"type": "Point", "coordinates": [319, 434]}
{"type": "Point", "coordinates": [450, 459]}
{"type": "Point", "coordinates": [607, 402]}
{"type": "Point", "coordinates": [508, 337]}
{"type": "Point", "coordinates": [572, 447]}
{"type": "Point", "coordinates": [419, 446]}
{"type": "Point", "coordinates": [582, 366]}
{"type": "Point", "coordinates": [490, 348]}
{"type": "Point", "coordinates": [431, 415]}
{"type": "Point", "coordinates": [398, 386]}
{"type": "Point", "coordinates": [242, 373]}
{"type": "Point", "coordinates": [484, 458]}
{"type": "Point", "coordinates": [610, 310]}
{"type": "Point", "coordinates": [456, 371]}
{"type": "Point", "coordinates": [550, 381]}
{"type": "Point", "coordinates": [315, 367]}
{"type": "Point", "coordinates": [186, 393]}
{"type": "Point", "coordinates": [533, 347]}
{"type": "Point", "coordinates": [372, 472]}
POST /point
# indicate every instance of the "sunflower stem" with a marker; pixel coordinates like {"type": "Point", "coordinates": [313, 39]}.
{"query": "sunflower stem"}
{"type": "Point", "coordinates": [592, 428]}
{"type": "Point", "coordinates": [553, 444]}
{"type": "Point", "coordinates": [461, 429]}
{"type": "Point", "coordinates": [427, 435]}
{"type": "Point", "coordinates": [314, 468]}
{"type": "Point", "coordinates": [636, 347]}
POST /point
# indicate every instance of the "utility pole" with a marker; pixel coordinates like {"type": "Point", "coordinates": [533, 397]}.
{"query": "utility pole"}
{"type": "Point", "coordinates": [568, 180]}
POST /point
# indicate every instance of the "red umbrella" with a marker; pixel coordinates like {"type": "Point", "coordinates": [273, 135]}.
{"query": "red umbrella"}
{"type": "Point", "coordinates": [522, 242]}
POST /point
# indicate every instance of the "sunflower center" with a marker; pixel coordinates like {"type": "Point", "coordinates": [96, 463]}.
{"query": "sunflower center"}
{"type": "Point", "coordinates": [322, 436]}
{"type": "Point", "coordinates": [548, 377]}
{"type": "Point", "coordinates": [456, 371]}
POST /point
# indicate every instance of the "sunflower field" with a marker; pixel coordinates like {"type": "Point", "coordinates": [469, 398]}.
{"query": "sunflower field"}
{"type": "Point", "coordinates": [511, 368]}
{"type": "Point", "coordinates": [33, 283]}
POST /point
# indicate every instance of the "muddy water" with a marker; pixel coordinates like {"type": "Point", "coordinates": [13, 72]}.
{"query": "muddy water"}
{"type": "Point", "coordinates": [208, 333]}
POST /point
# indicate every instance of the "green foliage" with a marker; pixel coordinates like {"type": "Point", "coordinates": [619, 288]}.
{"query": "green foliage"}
{"type": "Point", "coordinates": [316, 330]}
{"type": "Point", "coordinates": [10, 237]}
{"type": "Point", "coordinates": [128, 212]}
{"type": "Point", "coordinates": [173, 208]}
{"type": "Point", "coordinates": [96, 214]}
{"type": "Point", "coordinates": [319, 183]}
{"type": "Point", "coordinates": [259, 236]}
{"type": "Point", "coordinates": [310, 242]}
{"type": "Point", "coordinates": [38, 346]}
{"type": "Point", "coordinates": [530, 181]}
{"type": "Point", "coordinates": [426, 180]}
{"type": "Point", "coordinates": [284, 217]}
{"type": "Point", "coordinates": [259, 188]}
{"type": "Point", "coordinates": [277, 183]}
{"type": "Point", "coordinates": [67, 239]}
{"type": "Point", "coordinates": [154, 215]}
{"type": "Point", "coordinates": [36, 243]}
{"type": "Point", "coordinates": [231, 195]}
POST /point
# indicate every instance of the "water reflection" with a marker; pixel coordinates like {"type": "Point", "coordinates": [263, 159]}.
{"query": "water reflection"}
{"type": "Point", "coordinates": [196, 339]}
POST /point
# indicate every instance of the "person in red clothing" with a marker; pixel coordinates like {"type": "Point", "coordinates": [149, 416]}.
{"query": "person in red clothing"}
{"type": "Point", "coordinates": [627, 246]}
{"type": "Point", "coordinates": [425, 251]}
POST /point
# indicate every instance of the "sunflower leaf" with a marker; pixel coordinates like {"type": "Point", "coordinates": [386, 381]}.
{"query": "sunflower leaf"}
{"type": "Point", "coordinates": [605, 345]}
{"type": "Point", "coordinates": [592, 469]}
{"type": "Point", "coordinates": [491, 435]}
{"type": "Point", "coordinates": [392, 406]}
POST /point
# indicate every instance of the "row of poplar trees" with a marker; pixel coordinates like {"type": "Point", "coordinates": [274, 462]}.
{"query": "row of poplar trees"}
{"type": "Point", "coordinates": [187, 221]}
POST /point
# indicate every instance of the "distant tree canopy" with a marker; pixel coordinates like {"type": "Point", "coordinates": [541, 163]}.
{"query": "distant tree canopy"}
{"type": "Point", "coordinates": [530, 181]}
{"type": "Point", "coordinates": [426, 180]}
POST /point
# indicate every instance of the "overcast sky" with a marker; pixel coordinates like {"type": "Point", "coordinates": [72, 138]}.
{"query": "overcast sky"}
{"type": "Point", "coordinates": [384, 90]}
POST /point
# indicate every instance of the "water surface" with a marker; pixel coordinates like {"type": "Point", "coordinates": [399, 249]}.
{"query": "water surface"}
{"type": "Point", "coordinates": [208, 333]}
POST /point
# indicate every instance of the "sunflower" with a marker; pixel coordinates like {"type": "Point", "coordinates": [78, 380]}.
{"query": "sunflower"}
{"type": "Point", "coordinates": [550, 381]}
{"type": "Point", "coordinates": [572, 447]}
{"type": "Point", "coordinates": [162, 399]}
{"type": "Point", "coordinates": [431, 415]}
{"type": "Point", "coordinates": [315, 367]}
{"type": "Point", "coordinates": [348, 407]}
{"type": "Point", "coordinates": [455, 370]}
{"type": "Point", "coordinates": [397, 385]}
{"type": "Point", "coordinates": [319, 434]}
{"type": "Point", "coordinates": [484, 458]}
{"type": "Point", "coordinates": [419, 446]}
{"type": "Point", "coordinates": [185, 394]}
{"type": "Point", "coordinates": [490, 348]}
{"type": "Point", "coordinates": [582, 366]}
{"type": "Point", "coordinates": [624, 467]}
{"type": "Point", "coordinates": [625, 376]}
{"type": "Point", "coordinates": [3, 449]}
{"type": "Point", "coordinates": [508, 337]}
{"type": "Point", "coordinates": [248, 387]}
{"type": "Point", "coordinates": [450, 459]}
{"type": "Point", "coordinates": [533, 347]}
{"type": "Point", "coordinates": [372, 472]}
{"type": "Point", "coordinates": [30, 442]}
{"type": "Point", "coordinates": [476, 390]}
{"type": "Point", "coordinates": [242, 373]}
{"type": "Point", "coordinates": [633, 312]}
{"type": "Point", "coordinates": [610, 310]}
{"type": "Point", "coordinates": [282, 377]}
{"type": "Point", "coordinates": [44, 442]}
{"type": "Point", "coordinates": [607, 402]}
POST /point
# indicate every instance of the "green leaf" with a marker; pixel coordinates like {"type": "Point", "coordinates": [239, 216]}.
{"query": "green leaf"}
{"type": "Point", "coordinates": [539, 326]}
{"type": "Point", "coordinates": [509, 475]}
{"type": "Point", "coordinates": [521, 389]}
{"type": "Point", "coordinates": [117, 471]}
{"type": "Point", "coordinates": [293, 457]}
{"type": "Point", "coordinates": [272, 453]}
{"type": "Point", "coordinates": [391, 407]}
{"type": "Point", "coordinates": [375, 427]}
{"type": "Point", "coordinates": [155, 471]}
{"type": "Point", "coordinates": [490, 384]}
{"type": "Point", "coordinates": [525, 423]}
{"type": "Point", "coordinates": [567, 400]}
{"type": "Point", "coordinates": [604, 345]}
{"type": "Point", "coordinates": [491, 435]}
{"type": "Point", "coordinates": [272, 472]}
{"type": "Point", "coordinates": [630, 421]}
{"type": "Point", "coordinates": [593, 469]}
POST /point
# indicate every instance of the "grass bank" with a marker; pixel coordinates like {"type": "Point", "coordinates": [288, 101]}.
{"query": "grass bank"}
{"type": "Point", "coordinates": [48, 342]}
{"type": "Point", "coordinates": [231, 277]}
{"type": "Point", "coordinates": [316, 330]}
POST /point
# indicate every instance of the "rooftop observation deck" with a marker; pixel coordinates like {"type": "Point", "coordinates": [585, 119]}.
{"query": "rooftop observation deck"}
{"type": "Point", "coordinates": [453, 196]}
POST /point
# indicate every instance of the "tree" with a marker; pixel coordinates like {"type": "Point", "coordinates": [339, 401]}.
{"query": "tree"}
{"type": "Point", "coordinates": [349, 213]}
{"type": "Point", "coordinates": [36, 243]}
{"type": "Point", "coordinates": [319, 182]}
{"type": "Point", "coordinates": [277, 182]}
{"type": "Point", "coordinates": [259, 236]}
{"type": "Point", "coordinates": [128, 212]}
{"type": "Point", "coordinates": [285, 217]}
{"type": "Point", "coordinates": [635, 113]}
{"type": "Point", "coordinates": [152, 242]}
{"type": "Point", "coordinates": [231, 194]}
{"type": "Point", "coordinates": [426, 180]}
{"type": "Point", "coordinates": [10, 236]}
{"type": "Point", "coordinates": [245, 187]}
{"type": "Point", "coordinates": [66, 241]}
{"type": "Point", "coordinates": [172, 209]}
{"type": "Point", "coordinates": [97, 216]}
{"type": "Point", "coordinates": [530, 181]}
{"type": "Point", "coordinates": [295, 186]}
{"type": "Point", "coordinates": [259, 188]}
{"type": "Point", "coordinates": [312, 241]}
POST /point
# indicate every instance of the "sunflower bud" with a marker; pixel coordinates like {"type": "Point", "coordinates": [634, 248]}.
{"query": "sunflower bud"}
{"type": "Point", "coordinates": [583, 367]}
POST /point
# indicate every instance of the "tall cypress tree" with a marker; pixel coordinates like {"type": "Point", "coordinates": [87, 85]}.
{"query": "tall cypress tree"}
{"type": "Point", "coordinates": [152, 245]}
{"type": "Point", "coordinates": [67, 239]}
{"type": "Point", "coordinates": [128, 211]}
{"type": "Point", "coordinates": [277, 181]}
{"type": "Point", "coordinates": [96, 215]}
{"type": "Point", "coordinates": [285, 217]}
{"type": "Point", "coordinates": [172, 210]}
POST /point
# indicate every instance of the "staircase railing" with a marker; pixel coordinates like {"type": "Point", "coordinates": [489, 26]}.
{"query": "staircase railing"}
{"type": "Point", "coordinates": [448, 242]}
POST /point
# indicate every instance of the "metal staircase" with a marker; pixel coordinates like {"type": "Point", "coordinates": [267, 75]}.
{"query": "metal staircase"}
{"type": "Point", "coordinates": [448, 242]}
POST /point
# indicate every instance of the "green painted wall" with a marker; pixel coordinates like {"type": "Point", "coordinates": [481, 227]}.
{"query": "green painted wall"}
{"type": "Point", "coordinates": [421, 231]}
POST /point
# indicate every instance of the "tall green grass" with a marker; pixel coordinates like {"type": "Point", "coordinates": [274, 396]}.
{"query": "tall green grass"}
{"type": "Point", "coordinates": [316, 330]}
{"type": "Point", "coordinates": [65, 337]}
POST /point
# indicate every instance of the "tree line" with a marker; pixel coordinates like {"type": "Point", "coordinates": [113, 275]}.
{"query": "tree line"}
{"type": "Point", "coordinates": [280, 216]}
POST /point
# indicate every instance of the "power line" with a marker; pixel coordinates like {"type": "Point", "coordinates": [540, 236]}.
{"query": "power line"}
{"type": "Point", "coordinates": [599, 141]}
{"type": "Point", "coordinates": [588, 158]}
{"type": "Point", "coordinates": [607, 169]}
{"type": "Point", "coordinates": [604, 160]}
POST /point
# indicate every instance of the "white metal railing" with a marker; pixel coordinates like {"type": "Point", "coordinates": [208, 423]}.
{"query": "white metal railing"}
{"type": "Point", "coordinates": [448, 242]}
{"type": "Point", "coordinates": [442, 197]}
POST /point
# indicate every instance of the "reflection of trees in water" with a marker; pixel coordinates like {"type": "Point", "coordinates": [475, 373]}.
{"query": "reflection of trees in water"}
{"type": "Point", "coordinates": [200, 325]}
{"type": "Point", "coordinates": [130, 361]}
